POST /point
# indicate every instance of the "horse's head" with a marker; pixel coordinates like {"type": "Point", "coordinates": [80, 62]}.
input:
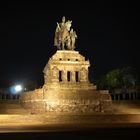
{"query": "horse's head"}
{"type": "Point", "coordinates": [68, 24]}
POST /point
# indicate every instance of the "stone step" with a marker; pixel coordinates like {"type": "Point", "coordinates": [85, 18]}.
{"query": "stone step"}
{"type": "Point", "coordinates": [69, 119]}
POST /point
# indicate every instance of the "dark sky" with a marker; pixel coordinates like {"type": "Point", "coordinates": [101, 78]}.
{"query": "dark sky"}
{"type": "Point", "coordinates": [108, 35]}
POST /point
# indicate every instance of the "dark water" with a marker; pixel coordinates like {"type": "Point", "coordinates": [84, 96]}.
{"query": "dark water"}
{"type": "Point", "coordinates": [94, 134]}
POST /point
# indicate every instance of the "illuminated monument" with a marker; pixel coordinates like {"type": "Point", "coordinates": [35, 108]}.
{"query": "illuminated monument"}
{"type": "Point", "coordinates": [66, 85]}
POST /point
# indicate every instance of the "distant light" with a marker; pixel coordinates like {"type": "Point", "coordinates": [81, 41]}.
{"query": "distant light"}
{"type": "Point", "coordinates": [15, 89]}
{"type": "Point", "coordinates": [18, 88]}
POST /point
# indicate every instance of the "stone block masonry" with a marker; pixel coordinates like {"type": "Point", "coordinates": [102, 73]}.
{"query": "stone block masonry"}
{"type": "Point", "coordinates": [67, 87]}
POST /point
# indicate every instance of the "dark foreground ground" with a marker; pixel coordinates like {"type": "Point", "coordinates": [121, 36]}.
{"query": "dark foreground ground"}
{"type": "Point", "coordinates": [128, 133]}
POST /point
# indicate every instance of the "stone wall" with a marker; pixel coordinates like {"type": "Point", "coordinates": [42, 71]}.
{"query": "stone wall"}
{"type": "Point", "coordinates": [67, 101]}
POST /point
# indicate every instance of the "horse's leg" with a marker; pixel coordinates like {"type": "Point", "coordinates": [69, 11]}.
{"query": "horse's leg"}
{"type": "Point", "coordinates": [59, 44]}
{"type": "Point", "coordinates": [63, 46]}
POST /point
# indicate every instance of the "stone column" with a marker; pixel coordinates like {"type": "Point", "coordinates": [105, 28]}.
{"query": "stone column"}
{"type": "Point", "coordinates": [64, 76]}
{"type": "Point", "coordinates": [83, 75]}
{"type": "Point", "coordinates": [87, 75]}
{"type": "Point", "coordinates": [72, 76]}
{"type": "Point", "coordinates": [55, 74]}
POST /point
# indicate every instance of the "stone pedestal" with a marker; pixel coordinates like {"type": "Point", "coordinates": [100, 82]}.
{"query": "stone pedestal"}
{"type": "Point", "coordinates": [67, 87]}
{"type": "Point", "coordinates": [66, 66]}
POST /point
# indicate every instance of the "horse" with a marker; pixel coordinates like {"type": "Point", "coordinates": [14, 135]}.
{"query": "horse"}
{"type": "Point", "coordinates": [61, 35]}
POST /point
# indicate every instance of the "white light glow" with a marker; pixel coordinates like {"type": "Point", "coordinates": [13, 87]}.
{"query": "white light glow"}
{"type": "Point", "coordinates": [18, 88]}
{"type": "Point", "coordinates": [15, 89]}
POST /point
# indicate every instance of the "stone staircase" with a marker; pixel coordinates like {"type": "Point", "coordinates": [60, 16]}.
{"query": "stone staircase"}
{"type": "Point", "coordinates": [11, 107]}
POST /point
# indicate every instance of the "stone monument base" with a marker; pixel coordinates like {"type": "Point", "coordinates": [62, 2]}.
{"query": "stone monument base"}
{"type": "Point", "coordinates": [67, 88]}
{"type": "Point", "coordinates": [66, 100]}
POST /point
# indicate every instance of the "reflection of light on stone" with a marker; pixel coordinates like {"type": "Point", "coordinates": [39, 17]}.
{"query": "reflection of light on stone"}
{"type": "Point", "coordinates": [52, 103]}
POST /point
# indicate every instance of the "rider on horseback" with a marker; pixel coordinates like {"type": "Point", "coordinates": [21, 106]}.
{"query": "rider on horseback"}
{"type": "Point", "coordinates": [63, 37]}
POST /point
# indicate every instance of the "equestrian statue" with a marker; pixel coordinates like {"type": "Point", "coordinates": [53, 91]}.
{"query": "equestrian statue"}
{"type": "Point", "coordinates": [65, 37]}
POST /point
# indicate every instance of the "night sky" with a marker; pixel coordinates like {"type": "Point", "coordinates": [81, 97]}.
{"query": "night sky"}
{"type": "Point", "coordinates": [108, 35]}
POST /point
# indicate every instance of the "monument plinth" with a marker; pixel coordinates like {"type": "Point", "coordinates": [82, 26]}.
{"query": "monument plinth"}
{"type": "Point", "coordinates": [66, 84]}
